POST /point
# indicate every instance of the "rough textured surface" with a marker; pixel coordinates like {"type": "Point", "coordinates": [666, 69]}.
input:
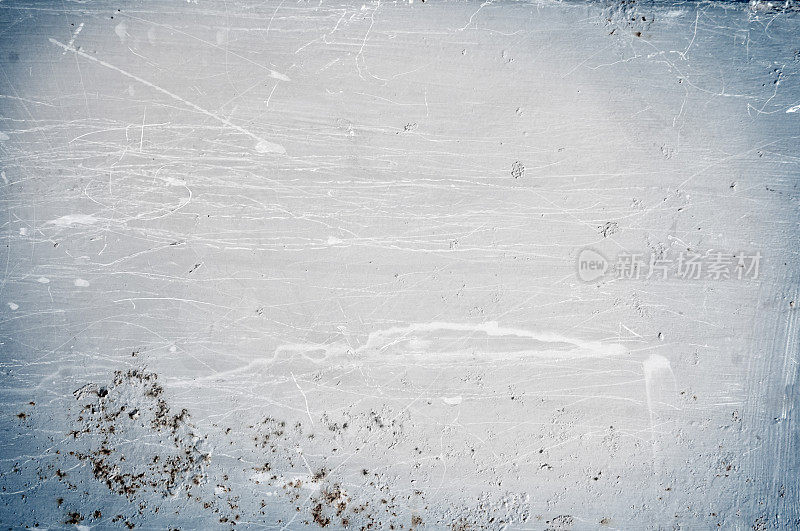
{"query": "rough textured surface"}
{"type": "Point", "coordinates": [303, 264]}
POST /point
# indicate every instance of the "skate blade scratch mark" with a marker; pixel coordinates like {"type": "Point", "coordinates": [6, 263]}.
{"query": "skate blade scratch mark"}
{"type": "Point", "coordinates": [543, 343]}
{"type": "Point", "coordinates": [72, 40]}
{"type": "Point", "coordinates": [262, 145]}
{"type": "Point", "coordinates": [420, 337]}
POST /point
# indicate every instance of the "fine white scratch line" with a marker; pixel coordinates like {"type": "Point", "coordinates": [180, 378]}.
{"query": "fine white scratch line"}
{"type": "Point", "coordinates": [74, 36]}
{"type": "Point", "coordinates": [141, 138]}
{"type": "Point", "coordinates": [304, 398]}
{"type": "Point", "coordinates": [262, 145]}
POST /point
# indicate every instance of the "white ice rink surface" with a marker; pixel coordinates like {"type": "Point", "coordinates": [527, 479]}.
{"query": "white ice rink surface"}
{"type": "Point", "coordinates": [293, 264]}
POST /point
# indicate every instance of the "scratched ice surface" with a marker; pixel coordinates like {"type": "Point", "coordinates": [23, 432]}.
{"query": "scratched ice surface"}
{"type": "Point", "coordinates": [297, 264]}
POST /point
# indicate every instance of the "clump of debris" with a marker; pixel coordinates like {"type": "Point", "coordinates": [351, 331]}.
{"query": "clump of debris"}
{"type": "Point", "coordinates": [133, 441]}
{"type": "Point", "coordinates": [774, 6]}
